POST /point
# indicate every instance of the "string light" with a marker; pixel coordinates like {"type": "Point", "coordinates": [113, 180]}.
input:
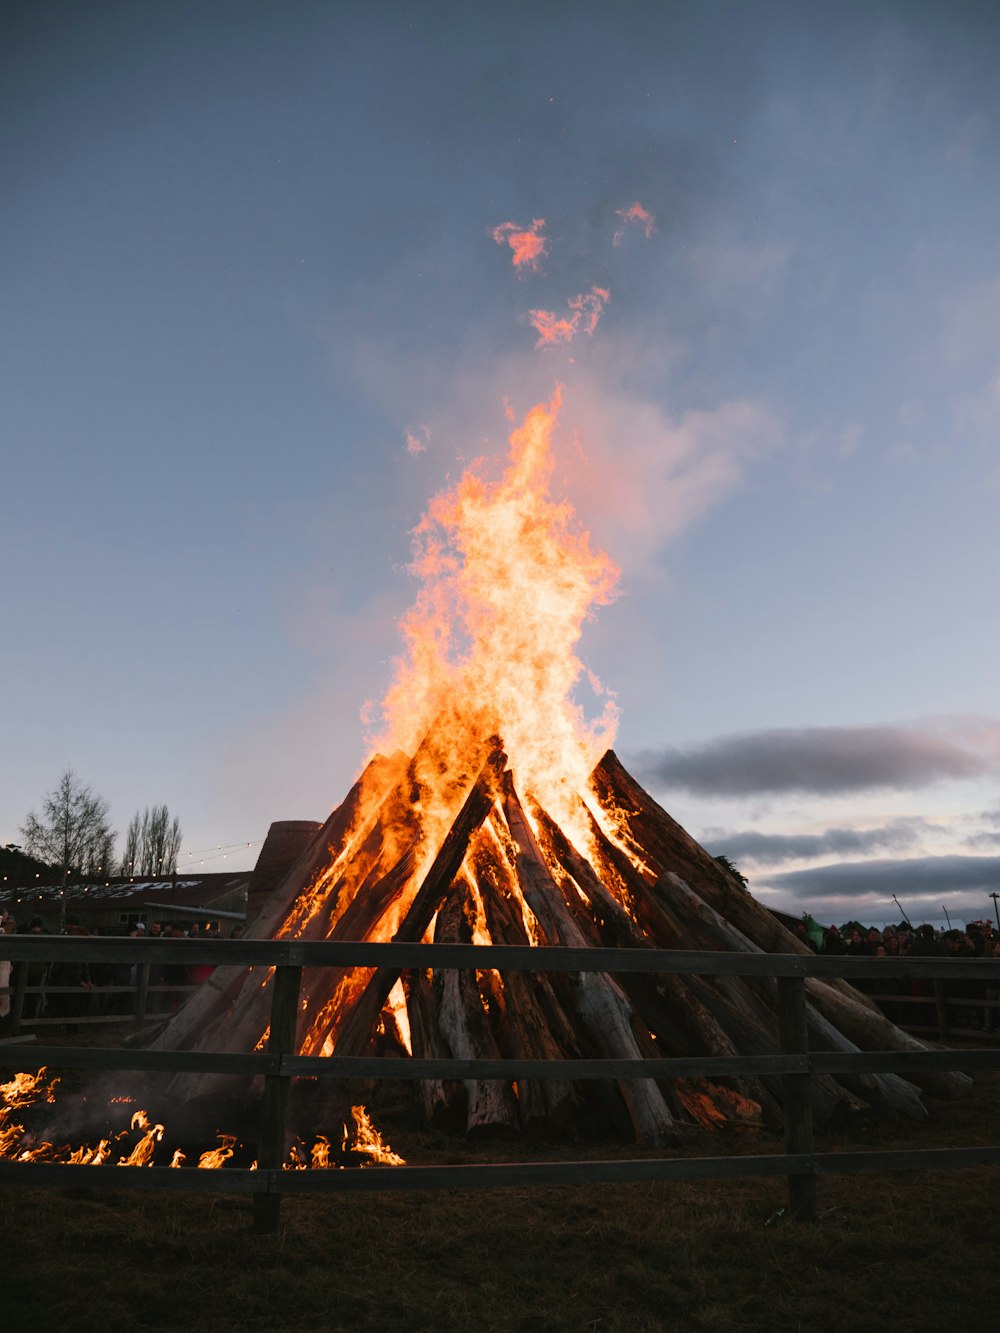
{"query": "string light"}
{"type": "Point", "coordinates": [222, 847]}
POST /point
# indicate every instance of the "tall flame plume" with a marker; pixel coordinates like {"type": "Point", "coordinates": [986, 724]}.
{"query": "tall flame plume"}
{"type": "Point", "coordinates": [508, 579]}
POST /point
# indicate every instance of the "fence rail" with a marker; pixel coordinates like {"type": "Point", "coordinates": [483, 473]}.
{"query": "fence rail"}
{"type": "Point", "coordinates": [280, 1063]}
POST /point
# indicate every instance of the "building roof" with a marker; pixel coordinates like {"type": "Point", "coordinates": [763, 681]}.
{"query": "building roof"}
{"type": "Point", "coordinates": [196, 891]}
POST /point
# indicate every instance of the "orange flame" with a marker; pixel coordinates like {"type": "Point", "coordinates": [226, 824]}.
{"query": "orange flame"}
{"type": "Point", "coordinates": [24, 1089]}
{"type": "Point", "coordinates": [215, 1157]}
{"type": "Point", "coordinates": [634, 213]}
{"type": "Point", "coordinates": [528, 245]}
{"type": "Point", "coordinates": [508, 578]}
{"type": "Point", "coordinates": [586, 310]}
{"type": "Point", "coordinates": [369, 1141]}
{"type": "Point", "coordinates": [142, 1153]}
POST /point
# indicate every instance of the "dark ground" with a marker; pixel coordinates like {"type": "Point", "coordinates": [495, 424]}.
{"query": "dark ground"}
{"type": "Point", "coordinates": [905, 1251]}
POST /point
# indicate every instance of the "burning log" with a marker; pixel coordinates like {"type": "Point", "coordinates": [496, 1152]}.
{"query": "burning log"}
{"type": "Point", "coordinates": [354, 1035]}
{"type": "Point", "coordinates": [532, 1024]}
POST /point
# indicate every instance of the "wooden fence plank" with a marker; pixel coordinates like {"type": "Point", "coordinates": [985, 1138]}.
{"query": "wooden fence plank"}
{"type": "Point", "coordinates": [474, 957]}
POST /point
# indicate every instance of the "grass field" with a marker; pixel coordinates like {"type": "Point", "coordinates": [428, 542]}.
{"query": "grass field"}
{"type": "Point", "coordinates": [907, 1251]}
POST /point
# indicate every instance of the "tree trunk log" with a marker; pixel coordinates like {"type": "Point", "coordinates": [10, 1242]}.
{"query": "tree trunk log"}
{"type": "Point", "coordinates": [666, 847]}
{"type": "Point", "coordinates": [533, 1026]}
{"type": "Point", "coordinates": [444, 1102]}
{"type": "Point", "coordinates": [355, 1033]}
{"type": "Point", "coordinates": [873, 1031]}
{"type": "Point", "coordinates": [601, 1004]}
{"type": "Point", "coordinates": [465, 1026]}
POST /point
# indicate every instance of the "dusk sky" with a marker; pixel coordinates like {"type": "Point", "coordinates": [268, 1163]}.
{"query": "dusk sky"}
{"type": "Point", "coordinates": [255, 316]}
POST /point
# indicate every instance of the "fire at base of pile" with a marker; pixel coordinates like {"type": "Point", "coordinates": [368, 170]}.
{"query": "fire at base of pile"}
{"type": "Point", "coordinates": [424, 849]}
{"type": "Point", "coordinates": [39, 1125]}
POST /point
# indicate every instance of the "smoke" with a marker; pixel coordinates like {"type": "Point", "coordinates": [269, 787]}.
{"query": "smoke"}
{"type": "Point", "coordinates": [417, 439]}
{"type": "Point", "coordinates": [641, 475]}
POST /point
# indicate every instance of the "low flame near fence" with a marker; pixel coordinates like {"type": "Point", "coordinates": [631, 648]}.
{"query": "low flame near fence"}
{"type": "Point", "coordinates": [361, 1144]}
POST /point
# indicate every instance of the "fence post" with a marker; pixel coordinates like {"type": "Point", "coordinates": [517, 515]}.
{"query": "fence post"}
{"type": "Point", "coordinates": [794, 1038]}
{"type": "Point", "coordinates": [142, 997]}
{"type": "Point", "coordinates": [941, 1009]}
{"type": "Point", "coordinates": [281, 1041]}
{"type": "Point", "coordinates": [17, 1008]}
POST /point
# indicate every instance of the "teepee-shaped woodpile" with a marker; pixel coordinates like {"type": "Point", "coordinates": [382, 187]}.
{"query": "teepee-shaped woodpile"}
{"type": "Point", "coordinates": [417, 852]}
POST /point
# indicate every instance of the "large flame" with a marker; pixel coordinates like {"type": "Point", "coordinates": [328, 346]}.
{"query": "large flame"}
{"type": "Point", "coordinates": [508, 580]}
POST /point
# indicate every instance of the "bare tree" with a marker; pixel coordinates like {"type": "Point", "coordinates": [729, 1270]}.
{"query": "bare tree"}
{"type": "Point", "coordinates": [73, 833]}
{"type": "Point", "coordinates": [152, 843]}
{"type": "Point", "coordinates": [133, 841]}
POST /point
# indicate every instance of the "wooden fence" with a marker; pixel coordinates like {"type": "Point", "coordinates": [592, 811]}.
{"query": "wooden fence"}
{"type": "Point", "coordinates": [280, 1063]}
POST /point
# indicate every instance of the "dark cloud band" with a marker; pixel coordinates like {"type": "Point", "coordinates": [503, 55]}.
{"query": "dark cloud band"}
{"type": "Point", "coordinates": [752, 848]}
{"type": "Point", "coordinates": [927, 876]}
{"type": "Point", "coordinates": [825, 761]}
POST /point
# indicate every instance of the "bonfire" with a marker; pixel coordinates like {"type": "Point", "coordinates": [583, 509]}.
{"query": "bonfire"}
{"type": "Point", "coordinates": [494, 811]}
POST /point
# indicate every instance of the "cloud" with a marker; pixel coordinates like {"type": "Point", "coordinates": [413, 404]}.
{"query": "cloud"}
{"type": "Point", "coordinates": [828, 761]}
{"type": "Point", "coordinates": [989, 836]}
{"type": "Point", "coordinates": [585, 313]}
{"type": "Point", "coordinates": [634, 213]}
{"type": "Point", "coordinates": [753, 848]}
{"type": "Point", "coordinates": [528, 245]}
{"type": "Point", "coordinates": [983, 839]}
{"type": "Point", "coordinates": [932, 877]}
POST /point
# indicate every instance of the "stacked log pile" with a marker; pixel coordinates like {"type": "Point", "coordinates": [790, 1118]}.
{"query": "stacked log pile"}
{"type": "Point", "coordinates": [419, 851]}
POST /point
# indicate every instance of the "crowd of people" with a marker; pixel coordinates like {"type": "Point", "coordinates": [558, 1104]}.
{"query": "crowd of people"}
{"type": "Point", "coordinates": [71, 990]}
{"type": "Point", "coordinates": [974, 1001]}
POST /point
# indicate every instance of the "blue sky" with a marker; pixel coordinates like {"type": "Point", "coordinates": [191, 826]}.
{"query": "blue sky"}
{"type": "Point", "coordinates": [246, 249]}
